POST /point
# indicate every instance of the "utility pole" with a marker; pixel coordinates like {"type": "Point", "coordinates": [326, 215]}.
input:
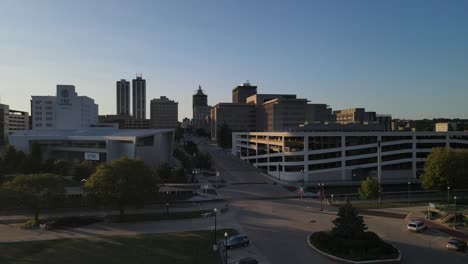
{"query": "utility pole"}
{"type": "Point", "coordinates": [409, 192]}
{"type": "Point", "coordinates": [379, 170]}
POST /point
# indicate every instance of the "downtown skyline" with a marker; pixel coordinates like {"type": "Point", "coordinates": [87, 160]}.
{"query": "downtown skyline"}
{"type": "Point", "coordinates": [404, 59]}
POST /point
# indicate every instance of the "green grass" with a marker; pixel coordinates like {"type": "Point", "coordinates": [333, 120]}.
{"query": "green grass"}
{"type": "Point", "coordinates": [375, 205]}
{"type": "Point", "coordinates": [172, 248]}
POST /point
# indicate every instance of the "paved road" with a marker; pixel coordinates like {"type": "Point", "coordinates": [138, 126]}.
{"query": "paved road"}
{"type": "Point", "coordinates": [244, 181]}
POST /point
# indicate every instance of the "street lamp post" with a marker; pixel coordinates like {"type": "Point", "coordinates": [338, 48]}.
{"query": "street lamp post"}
{"type": "Point", "coordinates": [217, 179]}
{"type": "Point", "coordinates": [302, 172]}
{"type": "Point", "coordinates": [214, 241]}
{"type": "Point", "coordinates": [455, 213]}
{"type": "Point", "coordinates": [409, 192]}
{"type": "Point", "coordinates": [448, 195]}
{"type": "Point", "coordinates": [225, 246]}
{"type": "Point", "coordinates": [167, 203]}
{"type": "Point", "coordinates": [321, 185]}
{"type": "Point", "coordinates": [279, 172]}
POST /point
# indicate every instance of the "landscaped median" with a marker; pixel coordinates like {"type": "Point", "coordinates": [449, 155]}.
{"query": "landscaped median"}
{"type": "Point", "coordinates": [373, 252]}
{"type": "Point", "coordinates": [349, 242]}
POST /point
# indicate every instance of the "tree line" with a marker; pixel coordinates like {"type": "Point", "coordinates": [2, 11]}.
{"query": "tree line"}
{"type": "Point", "coordinates": [17, 162]}
{"type": "Point", "coordinates": [119, 184]}
{"type": "Point", "coordinates": [444, 167]}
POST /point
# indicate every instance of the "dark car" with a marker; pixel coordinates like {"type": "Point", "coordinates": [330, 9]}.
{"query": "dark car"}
{"type": "Point", "coordinates": [247, 260]}
{"type": "Point", "coordinates": [237, 241]}
{"type": "Point", "coordinates": [456, 244]}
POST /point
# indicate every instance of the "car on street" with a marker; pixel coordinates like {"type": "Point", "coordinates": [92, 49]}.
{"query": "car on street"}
{"type": "Point", "coordinates": [417, 226]}
{"type": "Point", "coordinates": [456, 244]}
{"type": "Point", "coordinates": [237, 241]}
{"type": "Point", "coordinates": [247, 260]}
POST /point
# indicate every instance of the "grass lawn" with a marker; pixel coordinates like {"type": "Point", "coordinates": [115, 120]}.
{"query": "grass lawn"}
{"type": "Point", "coordinates": [172, 248]}
{"type": "Point", "coordinates": [375, 205]}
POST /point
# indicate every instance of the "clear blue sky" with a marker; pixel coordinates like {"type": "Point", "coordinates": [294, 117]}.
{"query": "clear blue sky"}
{"type": "Point", "coordinates": [405, 58]}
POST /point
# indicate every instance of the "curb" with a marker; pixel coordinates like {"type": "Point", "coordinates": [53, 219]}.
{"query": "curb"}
{"type": "Point", "coordinates": [341, 260]}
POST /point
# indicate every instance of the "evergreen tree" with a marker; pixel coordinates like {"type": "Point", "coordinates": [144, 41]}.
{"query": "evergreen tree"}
{"type": "Point", "coordinates": [348, 224]}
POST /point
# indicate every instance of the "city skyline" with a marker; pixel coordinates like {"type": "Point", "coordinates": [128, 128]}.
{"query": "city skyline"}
{"type": "Point", "coordinates": [398, 58]}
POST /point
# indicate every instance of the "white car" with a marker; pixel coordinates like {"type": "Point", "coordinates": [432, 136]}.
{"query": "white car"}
{"type": "Point", "coordinates": [417, 226]}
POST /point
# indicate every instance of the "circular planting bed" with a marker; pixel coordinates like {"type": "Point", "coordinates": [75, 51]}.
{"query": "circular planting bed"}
{"type": "Point", "coordinates": [369, 249]}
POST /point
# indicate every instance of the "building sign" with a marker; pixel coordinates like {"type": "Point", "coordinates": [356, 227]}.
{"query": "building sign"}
{"type": "Point", "coordinates": [91, 156]}
{"type": "Point", "coordinates": [64, 97]}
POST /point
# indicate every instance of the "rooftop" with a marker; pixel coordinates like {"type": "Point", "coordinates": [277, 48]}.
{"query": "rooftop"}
{"type": "Point", "coordinates": [90, 132]}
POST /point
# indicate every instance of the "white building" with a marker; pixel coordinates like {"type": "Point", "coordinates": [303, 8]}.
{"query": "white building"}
{"type": "Point", "coordinates": [99, 144]}
{"type": "Point", "coordinates": [66, 110]}
{"type": "Point", "coordinates": [342, 157]}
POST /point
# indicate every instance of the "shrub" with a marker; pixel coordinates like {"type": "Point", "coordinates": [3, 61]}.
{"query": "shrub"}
{"type": "Point", "coordinates": [31, 224]}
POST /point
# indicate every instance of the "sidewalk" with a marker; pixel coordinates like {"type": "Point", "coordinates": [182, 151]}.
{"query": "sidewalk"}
{"type": "Point", "coordinates": [24, 215]}
{"type": "Point", "coordinates": [13, 232]}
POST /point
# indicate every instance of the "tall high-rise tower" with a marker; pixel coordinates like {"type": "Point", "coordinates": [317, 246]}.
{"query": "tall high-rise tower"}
{"type": "Point", "coordinates": [241, 92]}
{"type": "Point", "coordinates": [201, 110]}
{"type": "Point", "coordinates": [139, 98]}
{"type": "Point", "coordinates": [123, 97]}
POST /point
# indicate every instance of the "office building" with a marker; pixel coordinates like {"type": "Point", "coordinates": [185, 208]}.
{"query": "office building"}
{"type": "Point", "coordinates": [153, 146]}
{"type": "Point", "coordinates": [4, 124]}
{"type": "Point", "coordinates": [18, 120]}
{"type": "Point", "coordinates": [186, 123]}
{"type": "Point", "coordinates": [338, 158]}
{"type": "Point", "coordinates": [385, 121]}
{"type": "Point", "coordinates": [239, 117]}
{"type": "Point", "coordinates": [200, 110]}
{"type": "Point", "coordinates": [66, 110]}
{"type": "Point", "coordinates": [354, 115]}
{"type": "Point", "coordinates": [445, 126]}
{"type": "Point", "coordinates": [123, 122]}
{"type": "Point", "coordinates": [164, 113]}
{"type": "Point", "coordinates": [123, 97]}
{"type": "Point", "coordinates": [139, 98]}
{"type": "Point", "coordinates": [242, 92]}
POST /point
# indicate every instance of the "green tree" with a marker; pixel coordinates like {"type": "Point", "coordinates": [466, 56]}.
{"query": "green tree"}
{"type": "Point", "coordinates": [191, 148]}
{"type": "Point", "coordinates": [369, 189]}
{"type": "Point", "coordinates": [440, 169]}
{"type": "Point", "coordinates": [11, 159]}
{"type": "Point", "coordinates": [83, 170]}
{"type": "Point", "coordinates": [202, 161]}
{"type": "Point", "coordinates": [178, 133]}
{"type": "Point", "coordinates": [163, 171]}
{"type": "Point", "coordinates": [33, 162]}
{"type": "Point", "coordinates": [224, 136]}
{"type": "Point", "coordinates": [121, 183]}
{"type": "Point", "coordinates": [37, 191]}
{"type": "Point", "coordinates": [349, 224]}
{"type": "Point", "coordinates": [61, 167]}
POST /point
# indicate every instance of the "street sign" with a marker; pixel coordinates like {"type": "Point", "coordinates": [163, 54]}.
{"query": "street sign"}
{"type": "Point", "coordinates": [301, 190]}
{"type": "Point", "coordinates": [91, 156]}
{"type": "Point", "coordinates": [431, 205]}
